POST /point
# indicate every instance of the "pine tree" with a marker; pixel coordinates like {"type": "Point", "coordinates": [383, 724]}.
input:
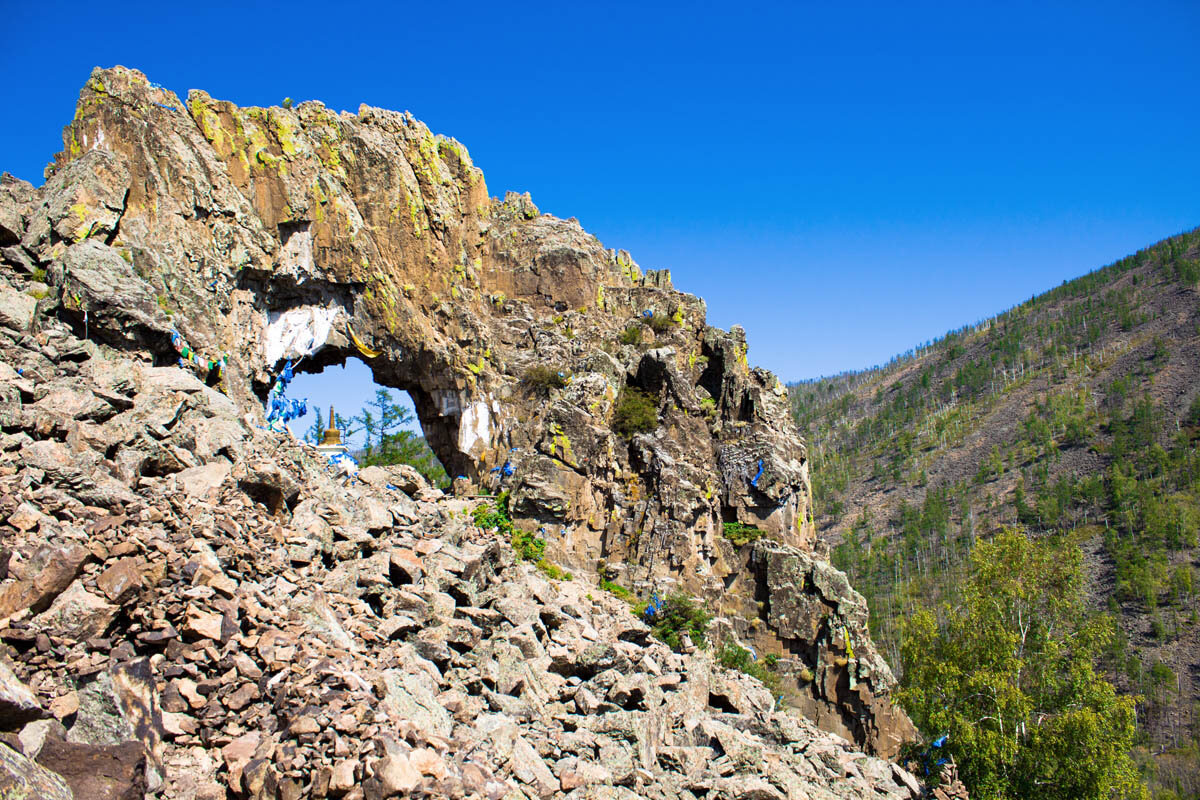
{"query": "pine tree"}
{"type": "Point", "coordinates": [316, 431]}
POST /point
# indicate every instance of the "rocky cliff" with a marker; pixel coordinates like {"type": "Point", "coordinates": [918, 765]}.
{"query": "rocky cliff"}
{"type": "Point", "coordinates": [261, 235]}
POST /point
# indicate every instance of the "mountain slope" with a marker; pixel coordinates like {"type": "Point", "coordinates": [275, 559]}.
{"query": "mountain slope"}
{"type": "Point", "coordinates": [1075, 411]}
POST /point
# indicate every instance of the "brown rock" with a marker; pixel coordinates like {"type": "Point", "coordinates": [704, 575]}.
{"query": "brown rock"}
{"type": "Point", "coordinates": [243, 696]}
{"type": "Point", "coordinates": [203, 625]}
{"type": "Point", "coordinates": [121, 581]}
{"type": "Point", "coordinates": [64, 705]}
{"type": "Point", "coordinates": [237, 755]}
{"type": "Point", "coordinates": [17, 703]}
{"type": "Point", "coordinates": [302, 725]}
{"type": "Point", "coordinates": [25, 518]}
{"type": "Point", "coordinates": [187, 689]}
{"type": "Point", "coordinates": [78, 613]}
{"type": "Point", "coordinates": [109, 772]}
{"type": "Point", "coordinates": [37, 594]}
{"type": "Point", "coordinates": [343, 778]}
{"type": "Point", "coordinates": [23, 778]}
{"type": "Point", "coordinates": [176, 724]}
{"type": "Point", "coordinates": [406, 566]}
{"type": "Point", "coordinates": [427, 762]}
{"type": "Point", "coordinates": [397, 774]}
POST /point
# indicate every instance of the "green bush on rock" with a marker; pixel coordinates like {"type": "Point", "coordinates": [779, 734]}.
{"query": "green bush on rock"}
{"type": "Point", "coordinates": [495, 516]}
{"type": "Point", "coordinates": [679, 614]}
{"type": "Point", "coordinates": [636, 412]}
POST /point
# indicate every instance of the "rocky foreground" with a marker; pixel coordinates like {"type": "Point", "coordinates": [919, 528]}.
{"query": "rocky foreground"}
{"type": "Point", "coordinates": [198, 608]}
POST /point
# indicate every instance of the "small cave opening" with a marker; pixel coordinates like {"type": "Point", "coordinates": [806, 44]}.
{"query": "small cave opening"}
{"type": "Point", "coordinates": [378, 422]}
{"type": "Point", "coordinates": [713, 377]}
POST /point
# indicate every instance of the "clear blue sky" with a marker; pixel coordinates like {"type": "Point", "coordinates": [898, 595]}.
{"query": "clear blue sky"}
{"type": "Point", "coordinates": [844, 179]}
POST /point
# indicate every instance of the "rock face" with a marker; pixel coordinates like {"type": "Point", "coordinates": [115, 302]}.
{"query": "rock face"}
{"type": "Point", "coordinates": [269, 233]}
{"type": "Point", "coordinates": [263, 630]}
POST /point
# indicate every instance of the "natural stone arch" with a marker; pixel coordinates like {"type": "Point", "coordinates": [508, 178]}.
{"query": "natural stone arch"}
{"type": "Point", "coordinates": [439, 419]}
{"type": "Point", "coordinates": [215, 221]}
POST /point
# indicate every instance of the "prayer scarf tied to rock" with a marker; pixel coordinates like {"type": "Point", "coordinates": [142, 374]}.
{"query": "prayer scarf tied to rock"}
{"type": "Point", "coordinates": [187, 354]}
{"type": "Point", "coordinates": [280, 409]}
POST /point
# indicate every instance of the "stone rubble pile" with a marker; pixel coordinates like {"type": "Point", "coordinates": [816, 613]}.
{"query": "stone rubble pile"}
{"type": "Point", "coordinates": [195, 608]}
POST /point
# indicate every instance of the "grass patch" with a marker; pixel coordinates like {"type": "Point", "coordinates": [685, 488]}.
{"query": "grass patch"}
{"type": "Point", "coordinates": [495, 516]}
{"type": "Point", "coordinates": [528, 546]}
{"type": "Point", "coordinates": [742, 534]}
{"type": "Point", "coordinates": [660, 323]}
{"type": "Point", "coordinates": [620, 591]}
{"type": "Point", "coordinates": [631, 335]}
{"type": "Point", "coordinates": [553, 571]}
{"type": "Point", "coordinates": [542, 378]}
{"type": "Point", "coordinates": [636, 412]}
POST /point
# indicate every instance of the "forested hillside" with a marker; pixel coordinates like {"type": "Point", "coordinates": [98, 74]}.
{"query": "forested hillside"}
{"type": "Point", "coordinates": [1075, 416]}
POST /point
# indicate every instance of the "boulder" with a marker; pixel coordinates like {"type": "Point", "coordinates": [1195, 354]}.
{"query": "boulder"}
{"type": "Point", "coordinates": [17, 703]}
{"type": "Point", "coordinates": [22, 778]}
{"type": "Point", "coordinates": [16, 309]}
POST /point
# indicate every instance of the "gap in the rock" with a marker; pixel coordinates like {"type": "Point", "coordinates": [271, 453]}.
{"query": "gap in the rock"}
{"type": "Point", "coordinates": [348, 388]}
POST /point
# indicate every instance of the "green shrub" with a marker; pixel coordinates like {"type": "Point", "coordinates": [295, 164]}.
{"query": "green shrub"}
{"type": "Point", "coordinates": [709, 406]}
{"type": "Point", "coordinates": [528, 546]}
{"type": "Point", "coordinates": [495, 516]}
{"type": "Point", "coordinates": [680, 614]}
{"type": "Point", "coordinates": [771, 660]}
{"type": "Point", "coordinates": [741, 534]}
{"type": "Point", "coordinates": [739, 658]}
{"type": "Point", "coordinates": [39, 274]}
{"type": "Point", "coordinates": [631, 335]}
{"type": "Point", "coordinates": [636, 412]}
{"type": "Point", "coordinates": [660, 324]}
{"type": "Point", "coordinates": [542, 378]}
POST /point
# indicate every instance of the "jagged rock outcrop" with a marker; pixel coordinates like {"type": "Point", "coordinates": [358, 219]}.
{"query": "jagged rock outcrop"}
{"type": "Point", "coordinates": [266, 234]}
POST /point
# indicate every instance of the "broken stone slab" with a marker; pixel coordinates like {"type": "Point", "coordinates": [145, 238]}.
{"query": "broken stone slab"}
{"type": "Point", "coordinates": [78, 613]}
{"type": "Point", "coordinates": [16, 309]}
{"type": "Point", "coordinates": [198, 482]}
{"type": "Point", "coordinates": [121, 581]}
{"type": "Point", "coordinates": [121, 306]}
{"type": "Point", "coordinates": [18, 705]}
{"type": "Point", "coordinates": [22, 778]}
{"type": "Point", "coordinates": [35, 734]}
{"type": "Point", "coordinates": [530, 769]}
{"type": "Point", "coordinates": [60, 570]}
{"type": "Point", "coordinates": [98, 772]}
{"type": "Point", "coordinates": [200, 624]}
{"type": "Point", "coordinates": [413, 697]}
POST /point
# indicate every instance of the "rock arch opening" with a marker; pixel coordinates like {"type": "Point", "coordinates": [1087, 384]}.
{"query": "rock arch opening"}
{"type": "Point", "coordinates": [351, 387]}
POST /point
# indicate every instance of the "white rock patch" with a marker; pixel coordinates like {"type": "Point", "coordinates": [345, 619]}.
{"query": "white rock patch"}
{"type": "Point", "coordinates": [475, 426]}
{"type": "Point", "coordinates": [297, 331]}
